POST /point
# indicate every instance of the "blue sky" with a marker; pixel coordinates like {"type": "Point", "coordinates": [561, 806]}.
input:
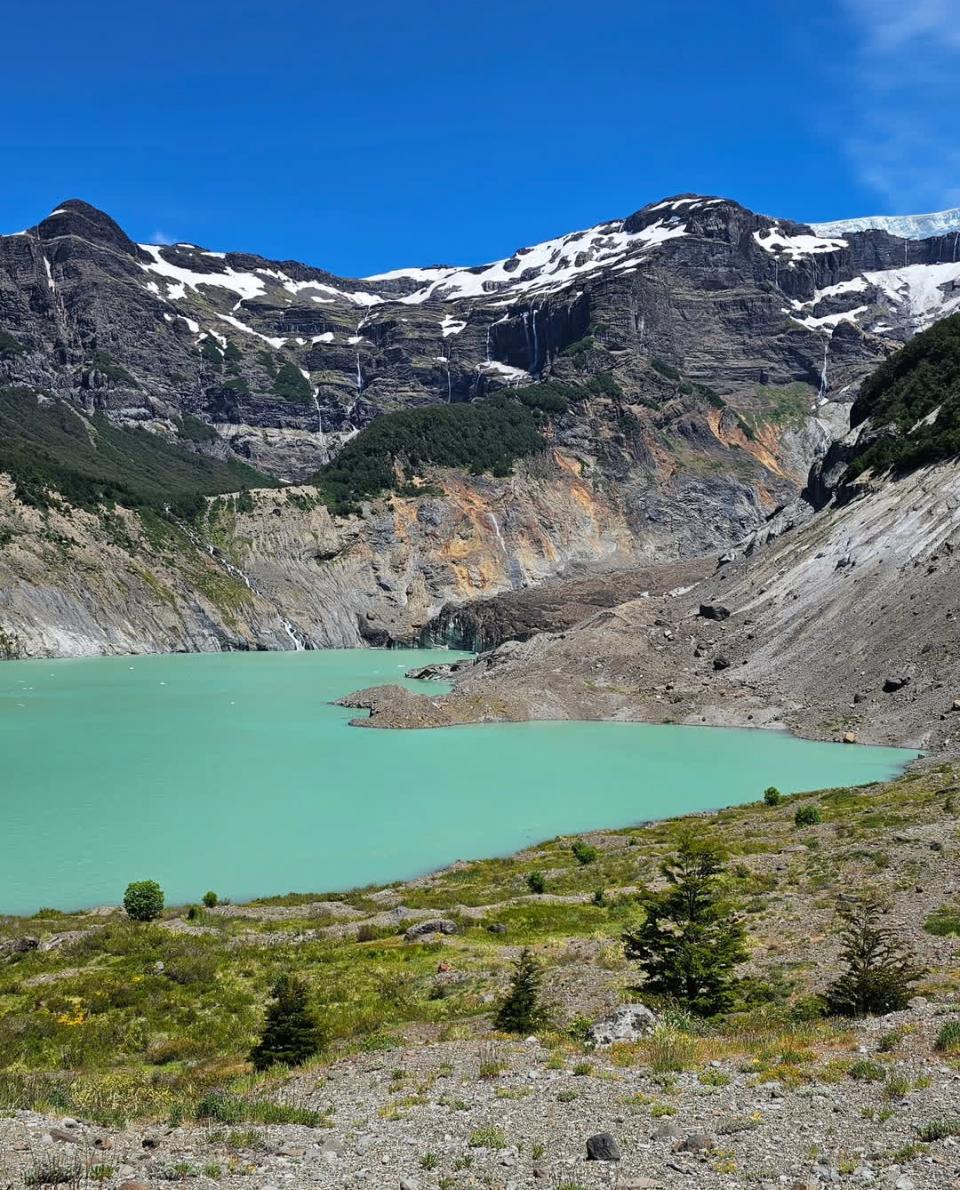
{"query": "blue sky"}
{"type": "Point", "coordinates": [360, 137]}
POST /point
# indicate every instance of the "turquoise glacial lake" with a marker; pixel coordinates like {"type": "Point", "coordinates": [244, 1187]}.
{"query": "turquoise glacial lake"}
{"type": "Point", "coordinates": [234, 772]}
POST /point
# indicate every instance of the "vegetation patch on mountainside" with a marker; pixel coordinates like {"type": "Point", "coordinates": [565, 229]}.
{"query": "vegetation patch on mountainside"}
{"type": "Point", "coordinates": [489, 435]}
{"type": "Point", "coordinates": [913, 403]}
{"type": "Point", "coordinates": [47, 446]}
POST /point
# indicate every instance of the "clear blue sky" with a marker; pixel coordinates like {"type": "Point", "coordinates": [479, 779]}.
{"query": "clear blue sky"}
{"type": "Point", "coordinates": [363, 136]}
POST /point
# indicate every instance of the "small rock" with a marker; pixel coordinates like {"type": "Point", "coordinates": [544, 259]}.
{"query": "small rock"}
{"type": "Point", "coordinates": [903, 1183]}
{"type": "Point", "coordinates": [602, 1147]}
{"type": "Point", "coordinates": [64, 1135]}
{"type": "Point", "coordinates": [695, 1142]}
{"type": "Point", "coordinates": [849, 737]}
{"type": "Point", "coordinates": [133, 1186]}
{"type": "Point", "coordinates": [409, 1184]}
{"type": "Point", "coordinates": [667, 1131]}
{"type": "Point", "coordinates": [721, 662]}
{"type": "Point", "coordinates": [714, 611]}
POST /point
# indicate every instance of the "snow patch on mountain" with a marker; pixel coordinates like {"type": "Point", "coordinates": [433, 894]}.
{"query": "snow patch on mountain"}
{"type": "Point", "coordinates": [927, 292]}
{"type": "Point", "coordinates": [544, 267]}
{"type": "Point", "coordinates": [795, 245]}
{"type": "Point", "coordinates": [907, 227]}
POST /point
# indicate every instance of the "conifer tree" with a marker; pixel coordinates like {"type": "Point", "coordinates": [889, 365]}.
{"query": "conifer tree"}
{"type": "Point", "coordinates": [522, 1010]}
{"type": "Point", "coordinates": [690, 940]}
{"type": "Point", "coordinates": [880, 970]}
{"type": "Point", "coordinates": [291, 1033]}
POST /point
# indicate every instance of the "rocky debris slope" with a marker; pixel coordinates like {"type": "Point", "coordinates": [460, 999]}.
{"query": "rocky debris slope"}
{"type": "Point", "coordinates": [843, 625]}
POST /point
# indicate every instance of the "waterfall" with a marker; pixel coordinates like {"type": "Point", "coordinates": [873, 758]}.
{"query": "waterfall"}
{"type": "Point", "coordinates": [822, 394]}
{"type": "Point", "coordinates": [534, 371]}
{"type": "Point", "coordinates": [495, 525]}
{"type": "Point", "coordinates": [488, 344]}
{"type": "Point", "coordinates": [298, 642]}
{"type": "Point", "coordinates": [359, 375]}
{"type": "Point", "coordinates": [449, 385]}
{"type": "Point", "coordinates": [643, 331]}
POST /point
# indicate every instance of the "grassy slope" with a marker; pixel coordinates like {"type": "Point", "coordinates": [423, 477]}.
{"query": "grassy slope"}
{"type": "Point", "coordinates": [96, 1027]}
{"type": "Point", "coordinates": [921, 378]}
{"type": "Point", "coordinates": [89, 461]}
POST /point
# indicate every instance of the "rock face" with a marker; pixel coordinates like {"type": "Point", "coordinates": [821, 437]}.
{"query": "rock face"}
{"type": "Point", "coordinates": [711, 352]}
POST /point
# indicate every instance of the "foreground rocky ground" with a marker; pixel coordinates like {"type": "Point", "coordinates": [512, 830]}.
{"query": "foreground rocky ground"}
{"type": "Point", "coordinates": [122, 1047]}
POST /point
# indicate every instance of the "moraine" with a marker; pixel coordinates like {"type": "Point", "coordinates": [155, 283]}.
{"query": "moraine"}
{"type": "Point", "coordinates": [235, 772]}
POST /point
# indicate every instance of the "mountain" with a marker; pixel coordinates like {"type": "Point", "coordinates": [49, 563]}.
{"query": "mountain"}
{"type": "Point", "coordinates": [650, 389]}
{"type": "Point", "coordinates": [840, 624]}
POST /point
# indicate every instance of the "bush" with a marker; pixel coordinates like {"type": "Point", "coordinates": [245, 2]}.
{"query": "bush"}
{"type": "Point", "coordinates": [880, 971]}
{"type": "Point", "coordinates": [869, 1072]}
{"type": "Point", "coordinates": [291, 1033]}
{"type": "Point", "coordinates": [691, 940]}
{"type": "Point", "coordinates": [948, 1039]}
{"type": "Point", "coordinates": [521, 1010]}
{"type": "Point", "coordinates": [583, 852]}
{"type": "Point", "coordinates": [210, 899]}
{"type": "Point", "coordinates": [537, 882]}
{"type": "Point", "coordinates": [807, 816]}
{"type": "Point", "coordinates": [772, 796]}
{"type": "Point", "coordinates": [143, 900]}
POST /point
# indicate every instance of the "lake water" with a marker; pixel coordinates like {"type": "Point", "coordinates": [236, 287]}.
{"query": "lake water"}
{"type": "Point", "coordinates": [233, 772]}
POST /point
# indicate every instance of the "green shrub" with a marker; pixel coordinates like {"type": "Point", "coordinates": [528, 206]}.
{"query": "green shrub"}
{"type": "Point", "coordinates": [939, 1129]}
{"type": "Point", "coordinates": [143, 900]}
{"type": "Point", "coordinates": [807, 816]}
{"type": "Point", "coordinates": [522, 1010]}
{"type": "Point", "coordinates": [210, 899]}
{"type": "Point", "coordinates": [690, 941]}
{"type": "Point", "coordinates": [880, 971]}
{"type": "Point", "coordinates": [537, 882]}
{"type": "Point", "coordinates": [948, 1039]}
{"type": "Point", "coordinates": [772, 796]}
{"type": "Point", "coordinates": [487, 1138]}
{"type": "Point", "coordinates": [291, 1032]}
{"type": "Point", "coordinates": [943, 921]}
{"type": "Point", "coordinates": [866, 1071]}
{"type": "Point", "coordinates": [583, 852]}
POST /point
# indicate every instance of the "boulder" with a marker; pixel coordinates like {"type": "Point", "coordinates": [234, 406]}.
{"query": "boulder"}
{"type": "Point", "coordinates": [714, 611]}
{"type": "Point", "coordinates": [602, 1147]}
{"type": "Point", "coordinates": [423, 929]}
{"type": "Point", "coordinates": [695, 1142]}
{"type": "Point", "coordinates": [18, 946]}
{"type": "Point", "coordinates": [721, 662]}
{"type": "Point", "coordinates": [891, 685]}
{"type": "Point", "coordinates": [629, 1022]}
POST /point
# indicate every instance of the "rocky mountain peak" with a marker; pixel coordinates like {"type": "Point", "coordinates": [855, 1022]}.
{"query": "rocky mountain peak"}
{"type": "Point", "coordinates": [74, 217]}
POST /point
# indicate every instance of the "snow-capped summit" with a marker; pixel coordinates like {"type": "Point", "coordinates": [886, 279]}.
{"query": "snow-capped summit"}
{"type": "Point", "coordinates": [907, 227]}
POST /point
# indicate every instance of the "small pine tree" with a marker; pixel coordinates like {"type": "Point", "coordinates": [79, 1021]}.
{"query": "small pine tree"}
{"type": "Point", "coordinates": [210, 899]}
{"type": "Point", "coordinates": [291, 1033]}
{"type": "Point", "coordinates": [521, 1010]}
{"type": "Point", "coordinates": [690, 941]}
{"type": "Point", "coordinates": [772, 796]}
{"type": "Point", "coordinates": [537, 882]}
{"type": "Point", "coordinates": [143, 900]}
{"type": "Point", "coordinates": [880, 970]}
{"type": "Point", "coordinates": [807, 816]}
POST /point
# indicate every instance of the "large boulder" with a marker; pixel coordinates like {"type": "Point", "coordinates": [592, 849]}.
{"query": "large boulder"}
{"type": "Point", "coordinates": [603, 1147]}
{"type": "Point", "coordinates": [629, 1022]}
{"type": "Point", "coordinates": [423, 929]}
